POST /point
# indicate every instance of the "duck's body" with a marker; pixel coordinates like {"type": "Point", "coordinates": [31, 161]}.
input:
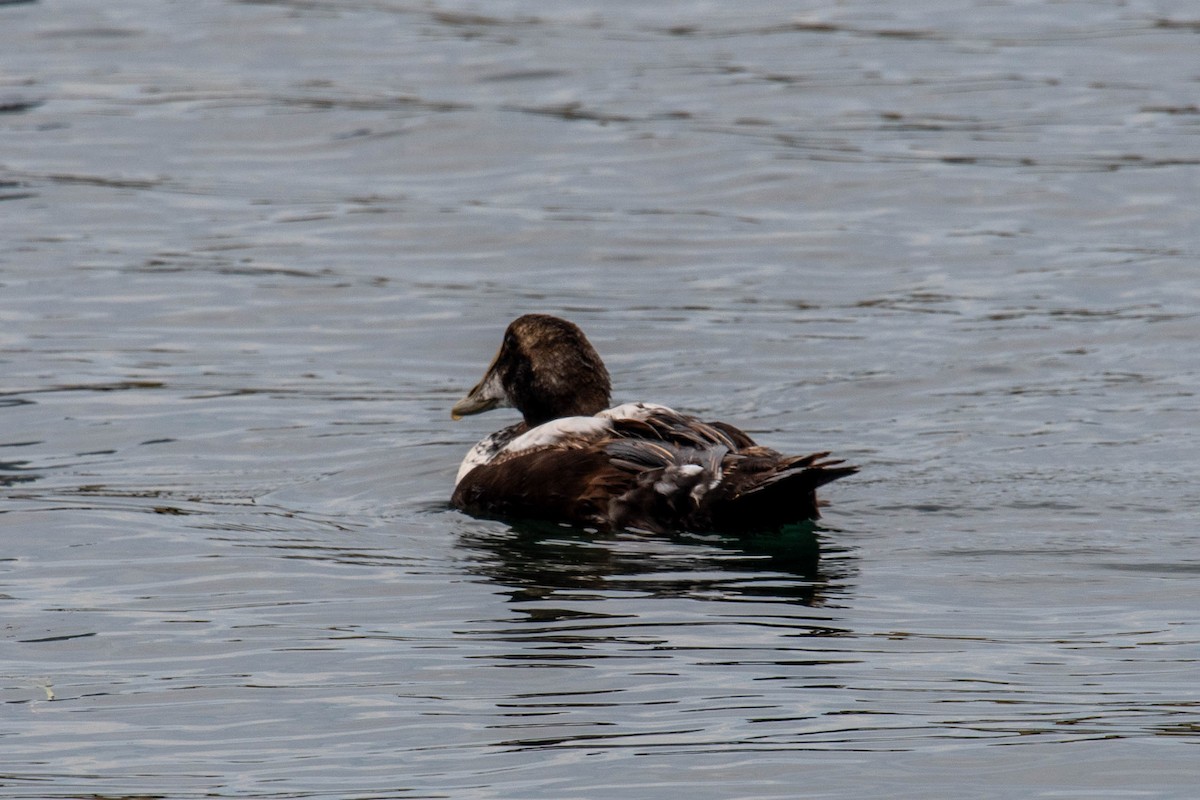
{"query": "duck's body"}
{"type": "Point", "coordinates": [638, 465]}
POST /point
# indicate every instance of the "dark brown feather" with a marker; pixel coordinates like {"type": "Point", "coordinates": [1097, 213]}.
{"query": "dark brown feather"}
{"type": "Point", "coordinates": [555, 484]}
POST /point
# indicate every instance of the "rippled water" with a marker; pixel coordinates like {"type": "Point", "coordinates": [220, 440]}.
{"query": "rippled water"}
{"type": "Point", "coordinates": [255, 250]}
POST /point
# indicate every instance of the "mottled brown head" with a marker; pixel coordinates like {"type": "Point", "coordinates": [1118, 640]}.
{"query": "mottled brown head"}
{"type": "Point", "coordinates": [546, 369]}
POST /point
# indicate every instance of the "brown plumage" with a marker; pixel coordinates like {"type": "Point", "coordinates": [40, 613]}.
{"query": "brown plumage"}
{"type": "Point", "coordinates": [640, 466]}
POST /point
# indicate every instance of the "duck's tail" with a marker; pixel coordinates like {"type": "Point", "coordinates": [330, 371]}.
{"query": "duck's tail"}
{"type": "Point", "coordinates": [780, 496]}
{"type": "Point", "coordinates": [683, 488]}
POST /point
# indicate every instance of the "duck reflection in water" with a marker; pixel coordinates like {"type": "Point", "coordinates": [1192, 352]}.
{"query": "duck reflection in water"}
{"type": "Point", "coordinates": [638, 466]}
{"type": "Point", "coordinates": [539, 560]}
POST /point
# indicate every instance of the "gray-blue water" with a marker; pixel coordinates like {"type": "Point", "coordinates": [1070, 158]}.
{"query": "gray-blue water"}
{"type": "Point", "coordinates": [254, 251]}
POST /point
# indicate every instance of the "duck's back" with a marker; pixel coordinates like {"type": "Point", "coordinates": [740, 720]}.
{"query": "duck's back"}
{"type": "Point", "coordinates": [641, 466]}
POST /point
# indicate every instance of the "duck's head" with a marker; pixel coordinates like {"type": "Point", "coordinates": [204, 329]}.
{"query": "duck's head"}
{"type": "Point", "coordinates": [546, 369]}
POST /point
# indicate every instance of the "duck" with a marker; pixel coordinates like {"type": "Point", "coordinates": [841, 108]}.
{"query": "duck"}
{"type": "Point", "coordinates": [575, 459]}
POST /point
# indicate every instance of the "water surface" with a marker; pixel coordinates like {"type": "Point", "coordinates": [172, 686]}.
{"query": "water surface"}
{"type": "Point", "coordinates": [254, 251]}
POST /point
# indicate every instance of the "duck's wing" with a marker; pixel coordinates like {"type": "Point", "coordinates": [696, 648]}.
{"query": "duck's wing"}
{"type": "Point", "coordinates": [667, 485]}
{"type": "Point", "coordinates": [655, 422]}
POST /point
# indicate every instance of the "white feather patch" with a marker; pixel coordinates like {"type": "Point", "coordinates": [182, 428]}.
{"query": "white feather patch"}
{"type": "Point", "coordinates": [670, 482]}
{"type": "Point", "coordinates": [555, 433]}
{"type": "Point", "coordinates": [484, 452]}
{"type": "Point", "coordinates": [634, 411]}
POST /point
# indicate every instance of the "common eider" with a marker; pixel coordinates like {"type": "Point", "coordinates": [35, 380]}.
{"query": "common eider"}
{"type": "Point", "coordinates": [638, 466]}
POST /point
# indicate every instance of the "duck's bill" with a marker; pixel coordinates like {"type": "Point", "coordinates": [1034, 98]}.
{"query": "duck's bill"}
{"type": "Point", "coordinates": [473, 403]}
{"type": "Point", "coordinates": [488, 394]}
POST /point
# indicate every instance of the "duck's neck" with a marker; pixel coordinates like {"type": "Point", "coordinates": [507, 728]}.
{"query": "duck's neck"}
{"type": "Point", "coordinates": [585, 403]}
